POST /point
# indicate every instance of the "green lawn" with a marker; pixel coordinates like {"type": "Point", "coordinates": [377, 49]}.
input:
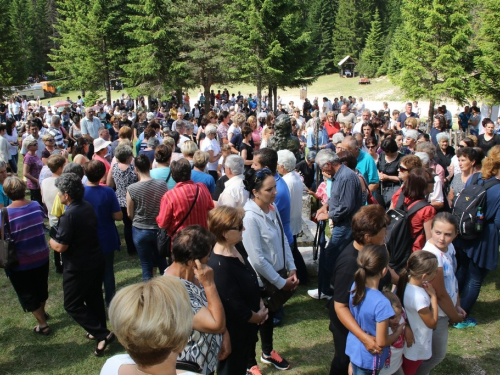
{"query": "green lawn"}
{"type": "Point", "coordinates": [304, 338]}
{"type": "Point", "coordinates": [330, 85]}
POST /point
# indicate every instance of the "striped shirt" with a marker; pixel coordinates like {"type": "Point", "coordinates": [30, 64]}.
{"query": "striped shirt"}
{"type": "Point", "coordinates": [147, 196]}
{"type": "Point", "coordinates": [176, 203]}
{"type": "Point", "coordinates": [58, 137]}
{"type": "Point", "coordinates": [26, 225]}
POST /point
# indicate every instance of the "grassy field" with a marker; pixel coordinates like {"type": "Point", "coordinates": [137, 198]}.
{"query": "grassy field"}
{"type": "Point", "coordinates": [304, 338]}
{"type": "Point", "coordinates": [329, 85]}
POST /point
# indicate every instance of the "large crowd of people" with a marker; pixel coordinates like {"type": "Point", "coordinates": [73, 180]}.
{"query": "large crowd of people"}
{"type": "Point", "coordinates": [229, 210]}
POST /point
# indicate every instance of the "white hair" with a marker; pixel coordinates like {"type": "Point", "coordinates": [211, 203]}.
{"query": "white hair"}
{"type": "Point", "coordinates": [441, 136]}
{"type": "Point", "coordinates": [287, 159]}
{"type": "Point", "coordinates": [337, 138]}
{"type": "Point", "coordinates": [412, 133]}
{"type": "Point", "coordinates": [326, 156]}
{"type": "Point", "coordinates": [424, 157]}
{"type": "Point", "coordinates": [236, 164]}
{"type": "Point", "coordinates": [210, 129]}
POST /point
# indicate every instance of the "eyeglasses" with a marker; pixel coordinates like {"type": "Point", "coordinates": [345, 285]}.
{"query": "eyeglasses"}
{"type": "Point", "coordinates": [239, 228]}
{"type": "Point", "coordinates": [50, 140]}
{"type": "Point", "coordinates": [372, 146]}
{"type": "Point", "coordinates": [403, 169]}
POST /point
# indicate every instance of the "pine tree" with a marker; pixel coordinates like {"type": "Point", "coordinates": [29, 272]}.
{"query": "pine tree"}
{"type": "Point", "coordinates": [22, 15]}
{"type": "Point", "coordinates": [488, 83]}
{"type": "Point", "coordinates": [327, 22]}
{"type": "Point", "coordinates": [434, 38]}
{"type": "Point", "coordinates": [372, 55]}
{"type": "Point", "coordinates": [90, 43]}
{"type": "Point", "coordinates": [345, 36]}
{"type": "Point", "coordinates": [154, 47]}
{"type": "Point", "coordinates": [11, 70]}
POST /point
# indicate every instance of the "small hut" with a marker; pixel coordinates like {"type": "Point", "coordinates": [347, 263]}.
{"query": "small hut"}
{"type": "Point", "coordinates": [347, 67]}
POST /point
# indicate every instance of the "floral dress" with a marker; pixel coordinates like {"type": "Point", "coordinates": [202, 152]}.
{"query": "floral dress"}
{"type": "Point", "coordinates": [123, 179]}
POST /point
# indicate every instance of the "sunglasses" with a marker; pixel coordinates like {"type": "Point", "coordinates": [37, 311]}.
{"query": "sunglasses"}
{"type": "Point", "coordinates": [403, 169]}
{"type": "Point", "coordinates": [372, 146]}
{"type": "Point", "coordinates": [431, 182]}
{"type": "Point", "coordinates": [239, 228]}
{"type": "Point", "coordinates": [461, 146]}
{"type": "Point", "coordinates": [263, 173]}
{"type": "Point", "coordinates": [51, 140]}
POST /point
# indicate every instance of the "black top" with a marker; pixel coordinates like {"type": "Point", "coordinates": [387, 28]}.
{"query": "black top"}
{"type": "Point", "coordinates": [237, 286]}
{"type": "Point", "coordinates": [244, 146]}
{"type": "Point", "coordinates": [140, 126]}
{"type": "Point", "coordinates": [487, 145]}
{"type": "Point", "coordinates": [78, 229]}
{"type": "Point", "coordinates": [390, 169]}
{"type": "Point", "coordinates": [343, 278]}
{"type": "Point", "coordinates": [445, 160]}
{"type": "Point", "coordinates": [306, 173]}
{"type": "Point", "coordinates": [126, 122]}
{"type": "Point", "coordinates": [219, 187]}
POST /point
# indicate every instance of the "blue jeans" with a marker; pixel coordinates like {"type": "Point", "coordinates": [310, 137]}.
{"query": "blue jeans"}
{"type": "Point", "coordinates": [362, 371]}
{"type": "Point", "coordinates": [340, 238]}
{"type": "Point", "coordinates": [109, 277]}
{"type": "Point", "coordinates": [145, 243]}
{"type": "Point", "coordinates": [470, 277]}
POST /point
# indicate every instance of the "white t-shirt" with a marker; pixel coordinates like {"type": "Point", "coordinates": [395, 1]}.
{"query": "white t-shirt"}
{"type": "Point", "coordinates": [416, 299]}
{"type": "Point", "coordinates": [211, 145]}
{"type": "Point", "coordinates": [49, 192]}
{"type": "Point", "coordinates": [396, 359]}
{"type": "Point", "coordinates": [113, 364]}
{"type": "Point", "coordinates": [447, 261]}
{"type": "Point", "coordinates": [437, 194]}
{"type": "Point", "coordinates": [295, 186]}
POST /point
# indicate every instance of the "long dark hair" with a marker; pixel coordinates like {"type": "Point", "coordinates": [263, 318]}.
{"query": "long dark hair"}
{"type": "Point", "coordinates": [420, 263]}
{"type": "Point", "coordinates": [371, 261]}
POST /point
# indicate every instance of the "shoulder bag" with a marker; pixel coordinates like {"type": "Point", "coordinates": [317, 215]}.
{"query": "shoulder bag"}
{"type": "Point", "coordinates": [275, 298]}
{"type": "Point", "coordinates": [8, 256]}
{"type": "Point", "coordinates": [164, 240]}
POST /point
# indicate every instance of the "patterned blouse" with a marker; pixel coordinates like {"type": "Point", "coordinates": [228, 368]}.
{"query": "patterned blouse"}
{"type": "Point", "coordinates": [202, 348]}
{"type": "Point", "coordinates": [123, 179]}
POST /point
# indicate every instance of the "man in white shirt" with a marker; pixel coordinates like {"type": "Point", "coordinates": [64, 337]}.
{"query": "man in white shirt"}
{"type": "Point", "coordinates": [15, 109]}
{"type": "Point", "coordinates": [34, 135]}
{"type": "Point", "coordinates": [180, 127]}
{"type": "Point", "coordinates": [344, 115]}
{"type": "Point", "coordinates": [234, 194]}
{"type": "Point", "coordinates": [327, 105]}
{"type": "Point", "coordinates": [90, 125]}
{"type": "Point", "coordinates": [47, 117]}
{"type": "Point", "coordinates": [365, 117]}
{"type": "Point", "coordinates": [4, 145]}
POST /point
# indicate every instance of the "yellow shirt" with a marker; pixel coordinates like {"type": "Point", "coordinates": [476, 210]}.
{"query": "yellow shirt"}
{"type": "Point", "coordinates": [58, 208]}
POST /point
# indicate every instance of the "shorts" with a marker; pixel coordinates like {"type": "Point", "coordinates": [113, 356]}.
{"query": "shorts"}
{"type": "Point", "coordinates": [31, 286]}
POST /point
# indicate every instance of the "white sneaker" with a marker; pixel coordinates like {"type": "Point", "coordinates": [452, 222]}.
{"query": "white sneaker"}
{"type": "Point", "coordinates": [314, 293]}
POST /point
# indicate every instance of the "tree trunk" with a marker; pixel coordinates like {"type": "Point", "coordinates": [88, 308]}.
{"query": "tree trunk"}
{"type": "Point", "coordinates": [430, 115]}
{"type": "Point", "coordinates": [259, 93]}
{"type": "Point", "coordinates": [275, 96]}
{"type": "Point", "coordinates": [270, 98]}
{"type": "Point", "coordinates": [107, 80]}
{"type": "Point", "coordinates": [178, 96]}
{"type": "Point", "coordinates": [206, 92]}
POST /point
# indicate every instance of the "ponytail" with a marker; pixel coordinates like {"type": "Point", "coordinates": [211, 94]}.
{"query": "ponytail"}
{"type": "Point", "coordinates": [420, 263]}
{"type": "Point", "coordinates": [371, 261]}
{"type": "Point", "coordinates": [401, 287]}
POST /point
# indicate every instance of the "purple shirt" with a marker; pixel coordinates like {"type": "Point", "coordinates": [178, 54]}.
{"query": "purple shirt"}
{"type": "Point", "coordinates": [35, 166]}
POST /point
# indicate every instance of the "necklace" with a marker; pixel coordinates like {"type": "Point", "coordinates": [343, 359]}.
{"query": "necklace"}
{"type": "Point", "coordinates": [142, 372]}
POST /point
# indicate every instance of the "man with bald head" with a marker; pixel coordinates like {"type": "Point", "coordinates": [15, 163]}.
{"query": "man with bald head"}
{"type": "Point", "coordinates": [365, 117]}
{"type": "Point", "coordinates": [345, 116]}
{"type": "Point", "coordinates": [366, 165]}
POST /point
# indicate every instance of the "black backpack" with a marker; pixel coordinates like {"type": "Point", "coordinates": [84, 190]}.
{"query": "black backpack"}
{"type": "Point", "coordinates": [466, 204]}
{"type": "Point", "coordinates": [398, 240]}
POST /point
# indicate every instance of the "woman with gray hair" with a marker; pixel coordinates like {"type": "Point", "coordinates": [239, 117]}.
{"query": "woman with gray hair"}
{"type": "Point", "coordinates": [444, 153]}
{"type": "Point", "coordinates": [200, 160]}
{"type": "Point", "coordinates": [411, 137]}
{"type": "Point", "coordinates": [430, 150]}
{"type": "Point", "coordinates": [212, 146]}
{"type": "Point", "coordinates": [188, 149]}
{"type": "Point", "coordinates": [121, 176]}
{"type": "Point", "coordinates": [286, 168]}
{"type": "Point", "coordinates": [234, 194]}
{"type": "Point", "coordinates": [83, 261]}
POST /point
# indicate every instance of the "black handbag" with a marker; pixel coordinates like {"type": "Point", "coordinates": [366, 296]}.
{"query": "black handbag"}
{"type": "Point", "coordinates": [164, 240]}
{"type": "Point", "coordinates": [275, 298]}
{"type": "Point", "coordinates": [8, 256]}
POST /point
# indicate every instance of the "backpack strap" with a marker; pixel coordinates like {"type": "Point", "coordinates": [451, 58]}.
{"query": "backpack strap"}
{"type": "Point", "coordinates": [168, 177]}
{"type": "Point", "coordinates": [417, 207]}
{"type": "Point", "coordinates": [489, 184]}
{"type": "Point", "coordinates": [474, 179]}
{"type": "Point", "coordinates": [401, 201]}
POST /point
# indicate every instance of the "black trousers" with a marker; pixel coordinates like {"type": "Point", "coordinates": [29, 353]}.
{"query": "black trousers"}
{"type": "Point", "coordinates": [127, 231]}
{"type": "Point", "coordinates": [340, 361]}
{"type": "Point", "coordinates": [302, 274]}
{"type": "Point", "coordinates": [243, 340]}
{"type": "Point", "coordinates": [266, 339]}
{"type": "Point", "coordinates": [83, 299]}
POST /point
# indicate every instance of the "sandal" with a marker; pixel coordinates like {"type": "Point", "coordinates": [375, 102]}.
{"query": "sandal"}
{"type": "Point", "coordinates": [89, 336]}
{"type": "Point", "coordinates": [108, 340]}
{"type": "Point", "coordinates": [42, 330]}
